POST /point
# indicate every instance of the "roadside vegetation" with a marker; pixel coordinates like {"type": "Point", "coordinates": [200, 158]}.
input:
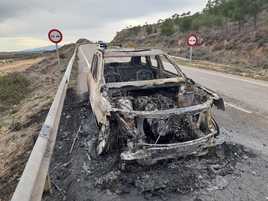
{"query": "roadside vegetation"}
{"type": "Point", "coordinates": [13, 88]}
{"type": "Point", "coordinates": [26, 94]}
{"type": "Point", "coordinates": [217, 13]}
{"type": "Point", "coordinates": [232, 32]}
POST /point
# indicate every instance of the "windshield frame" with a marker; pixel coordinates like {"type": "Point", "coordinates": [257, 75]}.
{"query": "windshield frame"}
{"type": "Point", "coordinates": [159, 62]}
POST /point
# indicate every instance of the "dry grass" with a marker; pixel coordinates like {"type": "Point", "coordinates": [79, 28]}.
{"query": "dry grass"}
{"type": "Point", "coordinates": [13, 88]}
{"type": "Point", "coordinates": [18, 65]}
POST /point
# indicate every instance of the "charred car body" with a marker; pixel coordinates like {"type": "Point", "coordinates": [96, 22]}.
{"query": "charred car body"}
{"type": "Point", "coordinates": [148, 107]}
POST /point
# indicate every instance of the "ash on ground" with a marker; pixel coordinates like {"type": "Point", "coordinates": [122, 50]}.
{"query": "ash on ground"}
{"type": "Point", "coordinates": [228, 172]}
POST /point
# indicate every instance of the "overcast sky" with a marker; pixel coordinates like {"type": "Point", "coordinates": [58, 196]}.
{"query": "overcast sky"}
{"type": "Point", "coordinates": [24, 23]}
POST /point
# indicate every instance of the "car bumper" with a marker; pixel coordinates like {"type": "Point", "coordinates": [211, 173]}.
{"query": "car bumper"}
{"type": "Point", "coordinates": [175, 150]}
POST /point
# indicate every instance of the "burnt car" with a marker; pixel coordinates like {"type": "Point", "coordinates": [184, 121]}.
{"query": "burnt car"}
{"type": "Point", "coordinates": [103, 45]}
{"type": "Point", "coordinates": [148, 108]}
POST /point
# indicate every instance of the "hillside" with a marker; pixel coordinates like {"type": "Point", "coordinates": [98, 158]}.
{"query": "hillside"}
{"type": "Point", "coordinates": [241, 42]}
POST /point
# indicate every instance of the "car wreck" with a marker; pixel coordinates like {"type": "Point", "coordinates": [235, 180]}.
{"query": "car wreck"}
{"type": "Point", "coordinates": [148, 108]}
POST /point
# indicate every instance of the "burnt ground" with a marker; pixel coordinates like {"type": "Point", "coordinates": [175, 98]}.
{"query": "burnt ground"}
{"type": "Point", "coordinates": [229, 172]}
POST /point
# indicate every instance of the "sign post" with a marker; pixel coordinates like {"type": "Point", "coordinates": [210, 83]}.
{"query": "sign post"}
{"type": "Point", "coordinates": [55, 36]}
{"type": "Point", "coordinates": [191, 53]}
{"type": "Point", "coordinates": [192, 41]}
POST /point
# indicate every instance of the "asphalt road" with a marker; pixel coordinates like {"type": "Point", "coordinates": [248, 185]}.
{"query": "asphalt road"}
{"type": "Point", "coordinates": [85, 54]}
{"type": "Point", "coordinates": [245, 120]}
{"type": "Point", "coordinates": [250, 94]}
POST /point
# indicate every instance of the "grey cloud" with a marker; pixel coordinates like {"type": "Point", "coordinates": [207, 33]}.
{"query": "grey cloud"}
{"type": "Point", "coordinates": [33, 17]}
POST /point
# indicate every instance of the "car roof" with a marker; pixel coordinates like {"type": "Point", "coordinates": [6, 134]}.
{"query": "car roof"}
{"type": "Point", "coordinates": [129, 52]}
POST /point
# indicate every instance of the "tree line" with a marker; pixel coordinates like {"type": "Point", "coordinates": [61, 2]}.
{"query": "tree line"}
{"type": "Point", "coordinates": [216, 13]}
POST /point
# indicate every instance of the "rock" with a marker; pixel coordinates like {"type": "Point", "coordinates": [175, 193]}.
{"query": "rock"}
{"type": "Point", "coordinates": [219, 183]}
{"type": "Point", "coordinates": [254, 173]}
{"type": "Point", "coordinates": [245, 157]}
{"type": "Point", "coordinates": [68, 116]}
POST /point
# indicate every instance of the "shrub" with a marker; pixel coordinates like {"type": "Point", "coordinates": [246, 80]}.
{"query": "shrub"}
{"type": "Point", "coordinates": [149, 29]}
{"type": "Point", "coordinates": [185, 24]}
{"type": "Point", "coordinates": [207, 20]}
{"type": "Point", "coordinates": [167, 27]}
{"type": "Point", "coordinates": [135, 30]}
{"type": "Point", "coordinates": [13, 88]}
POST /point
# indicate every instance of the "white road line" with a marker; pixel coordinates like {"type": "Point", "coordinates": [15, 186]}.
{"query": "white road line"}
{"type": "Point", "coordinates": [238, 108]}
{"type": "Point", "coordinates": [83, 54]}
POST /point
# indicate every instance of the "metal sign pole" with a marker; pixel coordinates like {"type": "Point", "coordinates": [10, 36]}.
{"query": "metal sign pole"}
{"type": "Point", "coordinates": [58, 55]}
{"type": "Point", "coordinates": [191, 54]}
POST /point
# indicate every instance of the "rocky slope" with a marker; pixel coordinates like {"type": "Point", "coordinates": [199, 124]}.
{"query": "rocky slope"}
{"type": "Point", "coordinates": [247, 48]}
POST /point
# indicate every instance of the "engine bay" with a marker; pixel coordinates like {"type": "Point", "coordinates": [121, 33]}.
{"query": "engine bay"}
{"type": "Point", "coordinates": [171, 129]}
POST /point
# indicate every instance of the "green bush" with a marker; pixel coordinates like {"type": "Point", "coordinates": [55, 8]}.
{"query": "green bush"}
{"type": "Point", "coordinates": [167, 27]}
{"type": "Point", "coordinates": [207, 20]}
{"type": "Point", "coordinates": [149, 29]}
{"type": "Point", "coordinates": [13, 88]}
{"type": "Point", "coordinates": [185, 24]}
{"type": "Point", "coordinates": [135, 30]}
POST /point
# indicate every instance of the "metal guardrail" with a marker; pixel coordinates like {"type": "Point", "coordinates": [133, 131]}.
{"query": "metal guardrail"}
{"type": "Point", "coordinates": [180, 58]}
{"type": "Point", "coordinates": [33, 179]}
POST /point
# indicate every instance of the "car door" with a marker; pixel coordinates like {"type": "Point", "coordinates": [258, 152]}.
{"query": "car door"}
{"type": "Point", "coordinates": [98, 103]}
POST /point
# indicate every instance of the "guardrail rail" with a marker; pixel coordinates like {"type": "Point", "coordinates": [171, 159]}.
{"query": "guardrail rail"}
{"type": "Point", "coordinates": [33, 179]}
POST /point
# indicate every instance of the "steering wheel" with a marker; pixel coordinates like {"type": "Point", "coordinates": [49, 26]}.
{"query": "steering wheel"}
{"type": "Point", "coordinates": [144, 74]}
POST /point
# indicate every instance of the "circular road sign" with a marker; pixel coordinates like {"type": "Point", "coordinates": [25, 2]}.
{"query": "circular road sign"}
{"type": "Point", "coordinates": [55, 36]}
{"type": "Point", "coordinates": [192, 40]}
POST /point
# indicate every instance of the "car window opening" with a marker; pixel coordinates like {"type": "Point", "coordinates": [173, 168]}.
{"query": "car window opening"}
{"type": "Point", "coordinates": [136, 68]}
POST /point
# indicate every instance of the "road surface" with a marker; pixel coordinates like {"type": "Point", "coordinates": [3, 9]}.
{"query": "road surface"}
{"type": "Point", "coordinates": [85, 54]}
{"type": "Point", "coordinates": [246, 100]}
{"type": "Point", "coordinates": [249, 93]}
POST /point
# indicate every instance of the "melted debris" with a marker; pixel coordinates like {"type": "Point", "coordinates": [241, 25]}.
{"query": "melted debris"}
{"type": "Point", "coordinates": [81, 176]}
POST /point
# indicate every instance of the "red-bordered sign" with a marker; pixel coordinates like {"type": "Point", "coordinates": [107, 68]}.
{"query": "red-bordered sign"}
{"type": "Point", "coordinates": [55, 36]}
{"type": "Point", "coordinates": [192, 40]}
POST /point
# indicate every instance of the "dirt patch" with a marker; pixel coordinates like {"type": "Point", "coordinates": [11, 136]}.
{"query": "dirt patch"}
{"type": "Point", "coordinates": [228, 171]}
{"type": "Point", "coordinates": [8, 66]}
